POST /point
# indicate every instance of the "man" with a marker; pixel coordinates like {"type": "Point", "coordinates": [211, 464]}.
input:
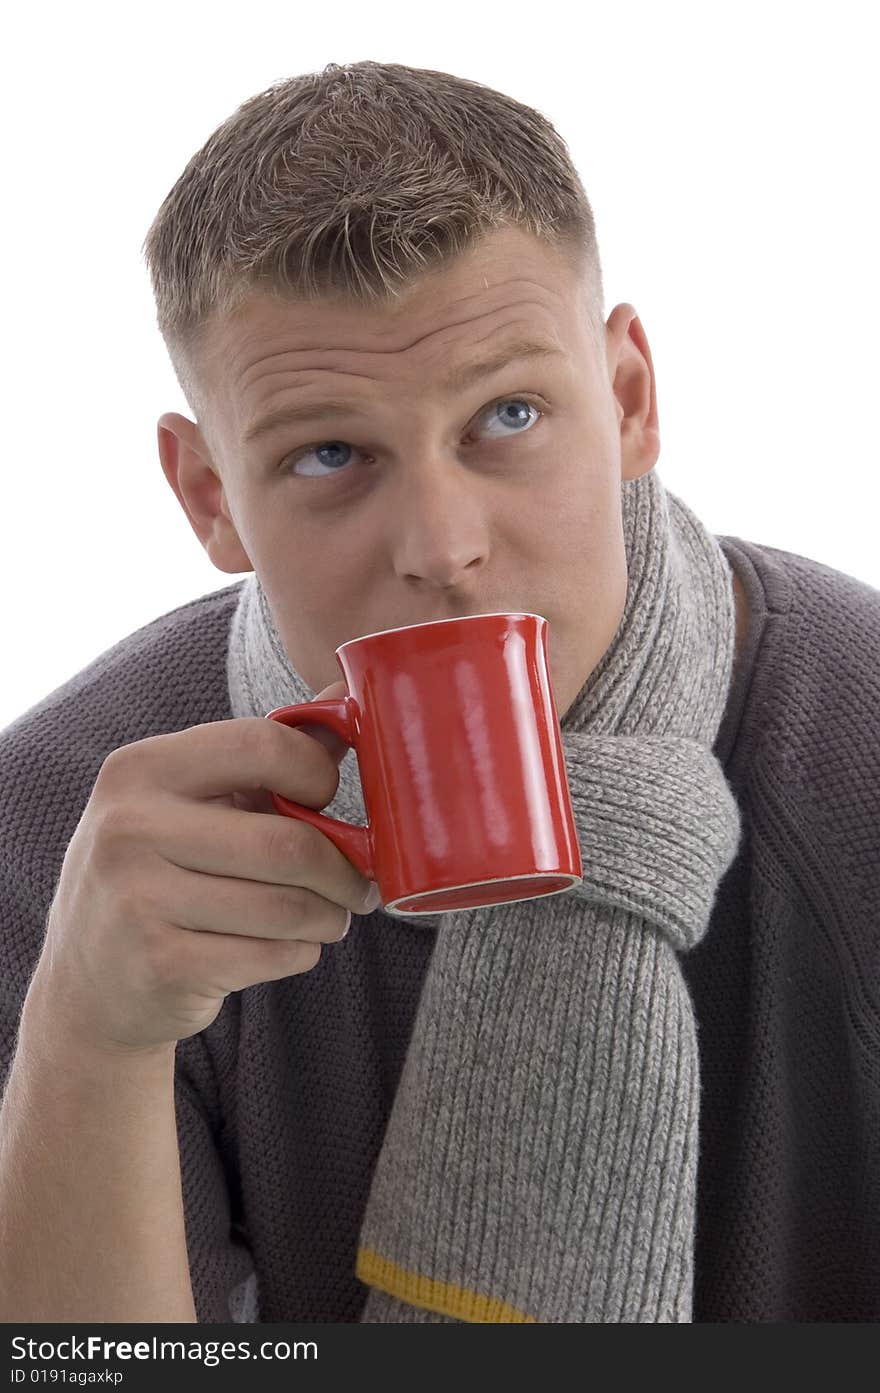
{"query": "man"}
{"type": "Point", "coordinates": [652, 1099]}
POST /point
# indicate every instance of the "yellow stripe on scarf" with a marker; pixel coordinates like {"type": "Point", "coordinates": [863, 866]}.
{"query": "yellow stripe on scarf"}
{"type": "Point", "coordinates": [447, 1300]}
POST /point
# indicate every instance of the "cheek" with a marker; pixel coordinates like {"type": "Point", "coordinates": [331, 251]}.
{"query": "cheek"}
{"type": "Point", "coordinates": [300, 567]}
{"type": "Point", "coordinates": [293, 547]}
{"type": "Point", "coordinates": [581, 514]}
{"type": "Point", "coordinates": [589, 566]}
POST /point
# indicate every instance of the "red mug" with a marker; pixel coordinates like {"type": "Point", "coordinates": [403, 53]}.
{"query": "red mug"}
{"type": "Point", "coordinates": [459, 751]}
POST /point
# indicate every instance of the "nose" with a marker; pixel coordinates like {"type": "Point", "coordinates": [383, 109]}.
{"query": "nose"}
{"type": "Point", "coordinates": [439, 525]}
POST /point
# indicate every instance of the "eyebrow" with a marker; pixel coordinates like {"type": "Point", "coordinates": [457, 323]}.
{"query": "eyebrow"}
{"type": "Point", "coordinates": [457, 380]}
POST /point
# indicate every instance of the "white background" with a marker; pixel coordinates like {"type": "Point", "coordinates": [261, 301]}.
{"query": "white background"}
{"type": "Point", "coordinates": [730, 156]}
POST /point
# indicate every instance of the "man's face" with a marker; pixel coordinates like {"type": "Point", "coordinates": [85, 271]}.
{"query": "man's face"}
{"type": "Point", "coordinates": [419, 499]}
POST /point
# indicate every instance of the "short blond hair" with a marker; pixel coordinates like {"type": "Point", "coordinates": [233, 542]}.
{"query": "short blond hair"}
{"type": "Point", "coordinates": [346, 185]}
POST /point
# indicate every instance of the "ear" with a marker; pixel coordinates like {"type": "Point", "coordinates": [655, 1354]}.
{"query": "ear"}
{"type": "Point", "coordinates": [196, 483]}
{"type": "Point", "coordinates": [631, 372]}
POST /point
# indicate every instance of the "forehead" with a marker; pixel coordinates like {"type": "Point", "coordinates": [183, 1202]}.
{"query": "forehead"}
{"type": "Point", "coordinates": [509, 271]}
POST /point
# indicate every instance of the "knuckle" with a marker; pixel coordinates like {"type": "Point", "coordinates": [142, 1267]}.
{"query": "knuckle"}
{"type": "Point", "coordinates": [119, 764]}
{"type": "Point", "coordinates": [285, 907]}
{"type": "Point", "coordinates": [284, 845]}
{"type": "Point", "coordinates": [113, 763]}
{"type": "Point", "coordinates": [246, 734]}
{"type": "Point", "coordinates": [274, 736]}
{"type": "Point", "coordinates": [117, 823]}
{"type": "Point", "coordinates": [307, 914]}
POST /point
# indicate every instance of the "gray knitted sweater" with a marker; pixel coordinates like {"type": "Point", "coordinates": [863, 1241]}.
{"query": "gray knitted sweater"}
{"type": "Point", "coordinates": [283, 1101]}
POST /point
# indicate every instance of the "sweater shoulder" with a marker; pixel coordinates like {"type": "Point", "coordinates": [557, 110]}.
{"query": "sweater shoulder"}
{"type": "Point", "coordinates": [818, 663]}
{"type": "Point", "coordinates": [812, 729]}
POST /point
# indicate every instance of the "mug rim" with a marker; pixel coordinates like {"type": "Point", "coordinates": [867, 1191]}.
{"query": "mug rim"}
{"type": "Point", "coordinates": [456, 619]}
{"type": "Point", "coordinates": [572, 879]}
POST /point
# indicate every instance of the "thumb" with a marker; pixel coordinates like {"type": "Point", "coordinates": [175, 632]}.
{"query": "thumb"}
{"type": "Point", "coordinates": [326, 737]}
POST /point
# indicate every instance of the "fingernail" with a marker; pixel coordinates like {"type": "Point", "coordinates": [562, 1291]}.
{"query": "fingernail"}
{"type": "Point", "coordinates": [373, 899]}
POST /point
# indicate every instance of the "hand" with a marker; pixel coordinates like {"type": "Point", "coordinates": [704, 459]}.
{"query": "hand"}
{"type": "Point", "coordinates": [182, 883]}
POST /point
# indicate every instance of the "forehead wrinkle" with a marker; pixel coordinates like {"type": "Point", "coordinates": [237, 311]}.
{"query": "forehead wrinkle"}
{"type": "Point", "coordinates": [528, 346]}
{"type": "Point", "coordinates": [527, 332]}
{"type": "Point", "coordinates": [257, 338]}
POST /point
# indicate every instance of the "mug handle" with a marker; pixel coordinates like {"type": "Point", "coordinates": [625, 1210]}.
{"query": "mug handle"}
{"type": "Point", "coordinates": [339, 716]}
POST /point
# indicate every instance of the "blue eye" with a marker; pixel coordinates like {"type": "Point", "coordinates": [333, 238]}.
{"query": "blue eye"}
{"type": "Point", "coordinates": [335, 455]}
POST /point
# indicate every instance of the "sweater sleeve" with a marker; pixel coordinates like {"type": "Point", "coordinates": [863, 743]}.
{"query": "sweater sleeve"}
{"type": "Point", "coordinates": [221, 1267]}
{"type": "Point", "coordinates": [33, 841]}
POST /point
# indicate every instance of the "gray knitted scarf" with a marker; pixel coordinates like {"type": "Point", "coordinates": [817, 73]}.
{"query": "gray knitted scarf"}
{"type": "Point", "coordinates": [540, 1160]}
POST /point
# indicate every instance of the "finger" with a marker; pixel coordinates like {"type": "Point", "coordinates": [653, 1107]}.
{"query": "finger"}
{"type": "Point", "coordinates": [260, 800]}
{"type": "Point", "coordinates": [250, 909]}
{"type": "Point", "coordinates": [246, 754]}
{"type": "Point", "coordinates": [328, 738]}
{"type": "Point", "coordinates": [222, 841]}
